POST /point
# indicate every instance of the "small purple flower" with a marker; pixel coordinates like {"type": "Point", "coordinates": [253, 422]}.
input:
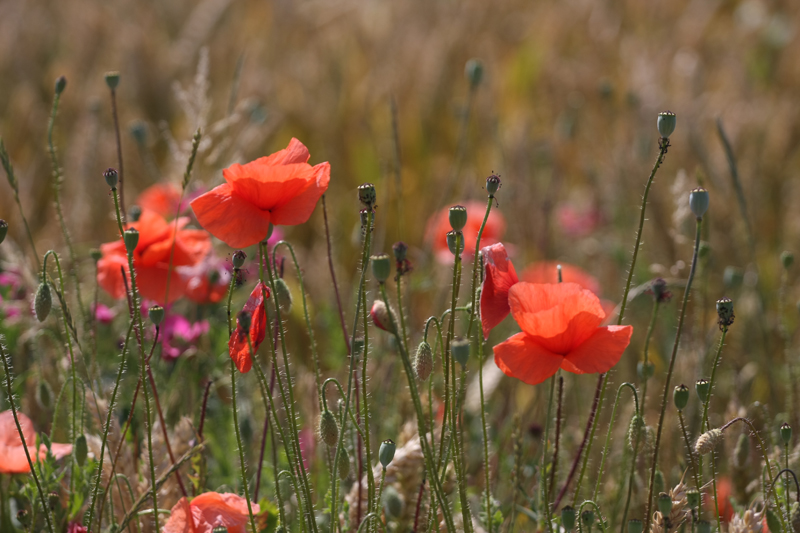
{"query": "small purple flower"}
{"type": "Point", "coordinates": [179, 336]}
{"type": "Point", "coordinates": [104, 314]}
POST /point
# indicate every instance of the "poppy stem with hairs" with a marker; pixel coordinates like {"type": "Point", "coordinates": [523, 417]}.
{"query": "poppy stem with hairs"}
{"type": "Point", "coordinates": [664, 398]}
{"type": "Point", "coordinates": [704, 425]}
{"type": "Point", "coordinates": [239, 434]}
{"type": "Point", "coordinates": [10, 392]}
{"type": "Point", "coordinates": [645, 372]}
{"type": "Point", "coordinates": [602, 379]}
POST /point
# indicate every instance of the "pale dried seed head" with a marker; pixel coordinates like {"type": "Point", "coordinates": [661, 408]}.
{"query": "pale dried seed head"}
{"type": "Point", "coordinates": [708, 441]}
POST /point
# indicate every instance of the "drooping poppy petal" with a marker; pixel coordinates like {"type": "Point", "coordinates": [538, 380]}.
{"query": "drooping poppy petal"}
{"type": "Point", "coordinates": [230, 218]}
{"type": "Point", "coordinates": [521, 357]}
{"type": "Point", "coordinates": [600, 352]}
{"type": "Point", "coordinates": [500, 277]}
{"type": "Point", "coordinates": [238, 346]}
{"type": "Point", "coordinates": [547, 272]}
{"type": "Point", "coordinates": [208, 511]}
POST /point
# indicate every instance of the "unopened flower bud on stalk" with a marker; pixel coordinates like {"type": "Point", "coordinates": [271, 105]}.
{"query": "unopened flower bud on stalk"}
{"type": "Point", "coordinates": [702, 387]}
{"type": "Point", "coordinates": [645, 370]}
{"type": "Point", "coordinates": [112, 177]}
{"type": "Point", "coordinates": [392, 503]}
{"type": "Point", "coordinates": [344, 464]}
{"type": "Point", "coordinates": [61, 84]}
{"type": "Point", "coordinates": [681, 397]}
{"type": "Point", "coordinates": [131, 238]}
{"type": "Point", "coordinates": [112, 79]}
{"type": "Point", "coordinates": [492, 184]}
{"type": "Point", "coordinates": [698, 202]}
{"type": "Point", "coordinates": [95, 254]}
{"type": "Point", "coordinates": [455, 242]}
{"type": "Point", "coordinates": [381, 267]}
{"type": "Point", "coordinates": [381, 316]}
{"type": "Point", "coordinates": [3, 230]}
{"type": "Point", "coordinates": [587, 518]}
{"type": "Point", "coordinates": [635, 526]}
{"type": "Point", "coordinates": [786, 433]}
{"type": "Point", "coordinates": [473, 70]}
{"type": "Point", "coordinates": [725, 312]}
{"type": "Point", "coordinates": [708, 441]}
{"type": "Point", "coordinates": [81, 449]}
{"type": "Point", "coordinates": [42, 302]}
{"type": "Point", "coordinates": [328, 428]}
{"type": "Point", "coordinates": [458, 217]}
{"type": "Point", "coordinates": [367, 194]}
{"type": "Point", "coordinates": [400, 250]}
{"type": "Point", "coordinates": [238, 259]}
{"type": "Point", "coordinates": [636, 432]}
{"type": "Point", "coordinates": [423, 361]}
{"type": "Point", "coordinates": [134, 213]}
{"type": "Point", "coordinates": [787, 259]}
{"type": "Point", "coordinates": [386, 452]}
{"type": "Point", "coordinates": [283, 295]}
{"type": "Point", "coordinates": [156, 314]}
{"type": "Point", "coordinates": [664, 503]}
{"type": "Point", "coordinates": [568, 518]}
{"type": "Point", "coordinates": [460, 350]}
{"type": "Point", "coordinates": [666, 124]}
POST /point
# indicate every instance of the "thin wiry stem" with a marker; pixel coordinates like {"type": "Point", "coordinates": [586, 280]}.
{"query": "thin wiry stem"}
{"type": "Point", "coordinates": [12, 180]}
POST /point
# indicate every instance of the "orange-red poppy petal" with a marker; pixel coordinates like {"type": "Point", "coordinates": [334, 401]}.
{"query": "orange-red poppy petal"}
{"type": "Point", "coordinates": [238, 346]}
{"type": "Point", "coordinates": [547, 272]}
{"type": "Point", "coordinates": [521, 357]}
{"type": "Point", "coordinates": [13, 459]}
{"type": "Point", "coordinates": [233, 220]}
{"type": "Point", "coordinates": [109, 275]}
{"type": "Point", "coordinates": [162, 198]}
{"type": "Point", "coordinates": [296, 152]}
{"type": "Point", "coordinates": [298, 209]}
{"type": "Point", "coordinates": [269, 187]}
{"type": "Point", "coordinates": [151, 281]}
{"type": "Point", "coordinates": [500, 277]}
{"type": "Point", "coordinates": [180, 518]}
{"type": "Point", "coordinates": [225, 509]}
{"type": "Point", "coordinates": [600, 352]}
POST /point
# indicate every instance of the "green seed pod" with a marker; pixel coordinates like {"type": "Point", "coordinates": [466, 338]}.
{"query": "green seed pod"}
{"type": "Point", "coordinates": [238, 259]}
{"type": "Point", "coordinates": [702, 387]}
{"type": "Point", "coordinates": [156, 314]}
{"type": "Point", "coordinates": [787, 259]}
{"type": "Point", "coordinates": [664, 504]}
{"type": "Point", "coordinates": [220, 529]}
{"type": "Point", "coordinates": [635, 526]}
{"type": "Point", "coordinates": [112, 79]}
{"type": "Point", "coordinates": [423, 361]}
{"type": "Point", "coordinates": [53, 500]}
{"type": "Point", "coordinates": [386, 452]}
{"type": "Point", "coordinates": [134, 213]}
{"type": "Point", "coordinates": [645, 371]}
{"type": "Point", "coordinates": [568, 517]}
{"type": "Point", "coordinates": [344, 464]}
{"type": "Point", "coordinates": [3, 230]}
{"type": "Point", "coordinates": [659, 482]}
{"type": "Point", "coordinates": [455, 238]}
{"type": "Point", "coordinates": [492, 184]}
{"type": "Point", "coordinates": [61, 84]}
{"type": "Point", "coordinates": [693, 498]}
{"type": "Point", "coordinates": [666, 124]}
{"type": "Point", "coordinates": [112, 177]}
{"type": "Point", "coordinates": [698, 202]}
{"type": "Point", "coordinates": [473, 70]}
{"type": "Point", "coordinates": [400, 250]}
{"type": "Point", "coordinates": [24, 518]}
{"type": "Point", "coordinates": [44, 394]}
{"type": "Point", "coordinates": [381, 267]}
{"type": "Point", "coordinates": [704, 526]}
{"type": "Point", "coordinates": [367, 194]}
{"type": "Point", "coordinates": [681, 397]}
{"type": "Point", "coordinates": [81, 450]}
{"type": "Point", "coordinates": [95, 254]}
{"type": "Point", "coordinates": [328, 428]}
{"type": "Point", "coordinates": [458, 217]}
{"type": "Point", "coordinates": [742, 451]}
{"type": "Point", "coordinates": [392, 503]}
{"type": "Point", "coordinates": [773, 522]}
{"type": "Point", "coordinates": [786, 433]}
{"type": "Point", "coordinates": [725, 312]}
{"type": "Point", "coordinates": [460, 350]}
{"type": "Point", "coordinates": [587, 518]}
{"type": "Point", "coordinates": [283, 295]}
{"type": "Point", "coordinates": [42, 302]}
{"type": "Point", "coordinates": [131, 238]}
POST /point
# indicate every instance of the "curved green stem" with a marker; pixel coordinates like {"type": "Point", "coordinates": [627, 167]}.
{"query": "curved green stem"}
{"type": "Point", "coordinates": [608, 434]}
{"type": "Point", "coordinates": [695, 470]}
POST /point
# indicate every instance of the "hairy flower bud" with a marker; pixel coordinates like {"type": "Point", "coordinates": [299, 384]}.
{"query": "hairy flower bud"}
{"type": "Point", "coordinates": [367, 194]}
{"type": "Point", "coordinates": [42, 302]}
{"type": "Point", "coordinates": [381, 316]}
{"type": "Point", "coordinates": [381, 267]}
{"type": "Point", "coordinates": [681, 397]}
{"type": "Point", "coordinates": [344, 464]}
{"type": "Point", "coordinates": [636, 432]}
{"type": "Point", "coordinates": [666, 124]}
{"type": "Point", "coordinates": [458, 217]}
{"type": "Point", "coordinates": [492, 184]}
{"type": "Point", "coordinates": [698, 202]}
{"type": "Point", "coordinates": [238, 259]}
{"type": "Point", "coordinates": [3, 230]}
{"type": "Point", "coordinates": [156, 314]}
{"type": "Point", "coordinates": [708, 441]}
{"type": "Point", "coordinates": [328, 428]}
{"type": "Point", "coordinates": [568, 517]}
{"type": "Point", "coordinates": [112, 177]}
{"type": "Point", "coordinates": [61, 84]}
{"type": "Point", "coordinates": [81, 450]}
{"type": "Point", "coordinates": [725, 312]}
{"type": "Point", "coordinates": [131, 238]}
{"type": "Point", "coordinates": [587, 518]}
{"type": "Point", "coordinates": [392, 503]}
{"type": "Point", "coordinates": [386, 452]}
{"type": "Point", "coordinates": [283, 295]}
{"type": "Point", "coordinates": [423, 361]}
{"type": "Point", "coordinates": [460, 349]}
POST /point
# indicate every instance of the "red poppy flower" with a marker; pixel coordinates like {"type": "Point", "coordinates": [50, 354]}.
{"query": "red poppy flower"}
{"type": "Point", "coordinates": [12, 453]}
{"type": "Point", "coordinates": [560, 329]}
{"type": "Point", "coordinates": [547, 272]}
{"type": "Point", "coordinates": [151, 258]}
{"type": "Point", "coordinates": [439, 225]}
{"type": "Point", "coordinates": [237, 344]}
{"type": "Point", "coordinates": [207, 281]}
{"type": "Point", "coordinates": [499, 278]}
{"type": "Point", "coordinates": [281, 189]}
{"type": "Point", "coordinates": [208, 511]}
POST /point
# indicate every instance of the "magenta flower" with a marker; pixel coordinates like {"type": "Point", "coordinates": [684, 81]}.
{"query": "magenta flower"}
{"type": "Point", "coordinates": [179, 336]}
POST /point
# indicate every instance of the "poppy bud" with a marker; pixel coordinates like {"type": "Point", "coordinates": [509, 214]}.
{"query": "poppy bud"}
{"type": "Point", "coordinates": [473, 70]}
{"type": "Point", "coordinates": [328, 428]}
{"type": "Point", "coordinates": [635, 526]}
{"type": "Point", "coordinates": [423, 362]}
{"type": "Point", "coordinates": [786, 433]}
{"type": "Point", "coordinates": [660, 290]}
{"type": "Point", "coordinates": [245, 320]}
{"type": "Point", "coordinates": [704, 526]}
{"type": "Point", "coordinates": [400, 250]}
{"type": "Point", "coordinates": [645, 370]}
{"type": "Point", "coordinates": [635, 431]}
{"type": "Point", "coordinates": [666, 124]}
{"type": "Point", "coordinates": [238, 259]}
{"type": "Point", "coordinates": [708, 441]}
{"type": "Point", "coordinates": [24, 518]}
{"type": "Point", "coordinates": [787, 258]}
{"type": "Point", "coordinates": [42, 302]}
{"type": "Point", "coordinates": [283, 295]}
{"type": "Point", "coordinates": [386, 452]}
{"type": "Point", "coordinates": [134, 213]}
{"type": "Point", "coordinates": [138, 130]}
{"type": "Point", "coordinates": [725, 312]}
{"type": "Point", "coordinates": [742, 451]}
{"type": "Point", "coordinates": [568, 517]}
{"type": "Point", "coordinates": [693, 498]}
{"type": "Point", "coordinates": [52, 500]}
{"type": "Point", "coordinates": [61, 84]}
{"type": "Point", "coordinates": [492, 184]}
{"type": "Point", "coordinates": [344, 464]}
{"type": "Point", "coordinates": [681, 396]}
{"type": "Point", "coordinates": [664, 504]}
{"type": "Point", "coordinates": [702, 387]}
{"type": "Point", "coordinates": [381, 267]}
{"type": "Point", "coordinates": [366, 194]}
{"type": "Point", "coordinates": [81, 450]}
{"type": "Point", "coordinates": [587, 518]}
{"type": "Point", "coordinates": [458, 217]}
{"type": "Point", "coordinates": [44, 394]}
{"type": "Point", "coordinates": [112, 177]}
{"type": "Point", "coordinates": [131, 238]}
{"type": "Point", "coordinates": [95, 254]}
{"type": "Point", "coordinates": [455, 239]}
{"type": "Point", "coordinates": [460, 351]}
{"type": "Point", "coordinates": [112, 79]}
{"type": "Point", "coordinates": [156, 314]}
{"type": "Point", "coordinates": [392, 503]}
{"type": "Point", "coordinates": [3, 230]}
{"type": "Point", "coordinates": [381, 316]}
{"type": "Point", "coordinates": [698, 202]}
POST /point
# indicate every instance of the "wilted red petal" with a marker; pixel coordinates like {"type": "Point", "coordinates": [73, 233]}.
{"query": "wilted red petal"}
{"type": "Point", "coordinates": [547, 272]}
{"type": "Point", "coordinates": [500, 276]}
{"type": "Point", "coordinates": [231, 218]}
{"type": "Point", "coordinates": [237, 345]}
{"type": "Point", "coordinates": [210, 510]}
{"type": "Point", "coordinates": [600, 352]}
{"type": "Point", "coordinates": [521, 357]}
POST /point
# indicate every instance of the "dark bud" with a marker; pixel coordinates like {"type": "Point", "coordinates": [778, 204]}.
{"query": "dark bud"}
{"type": "Point", "coordinates": [681, 397]}
{"type": "Point", "coordinates": [344, 464]}
{"type": "Point", "coordinates": [458, 217]}
{"type": "Point", "coordinates": [81, 450]}
{"type": "Point", "coordinates": [134, 213]}
{"type": "Point", "coordinates": [702, 387]}
{"type": "Point", "coordinates": [666, 124]}
{"type": "Point", "coordinates": [664, 503]}
{"type": "Point", "coordinates": [423, 361]}
{"type": "Point", "coordinates": [131, 238]}
{"type": "Point", "coordinates": [367, 194]}
{"type": "Point", "coordinates": [96, 254]}
{"type": "Point", "coordinates": [660, 291]}
{"type": "Point", "coordinates": [635, 526]}
{"type": "Point", "coordinates": [568, 518]}
{"type": "Point", "coordinates": [455, 241]}
{"type": "Point", "coordinates": [460, 350]}
{"type": "Point", "coordinates": [787, 258]}
{"type": "Point", "coordinates": [386, 452]}
{"type": "Point", "coordinates": [725, 312]}
{"type": "Point", "coordinates": [786, 433]}
{"type": "Point", "coordinates": [328, 428]}
{"type": "Point", "coordinates": [112, 79]}
{"type": "Point", "coordinates": [52, 500]}
{"type": "Point", "coordinates": [492, 184]}
{"type": "Point", "coordinates": [283, 295]}
{"type": "Point", "coordinates": [400, 250]}
{"type": "Point", "coordinates": [381, 267]}
{"type": "Point", "coordinates": [244, 320]}
{"type": "Point", "coordinates": [156, 314]}
{"type": "Point", "coordinates": [42, 302]}
{"type": "Point", "coordinates": [587, 518]}
{"type": "Point", "coordinates": [645, 370]}
{"type": "Point", "coordinates": [238, 259]}
{"type": "Point", "coordinates": [473, 70]}
{"type": "Point", "coordinates": [112, 177]}
{"type": "Point", "coordinates": [3, 230]}
{"type": "Point", "coordinates": [392, 503]}
{"type": "Point", "coordinates": [61, 84]}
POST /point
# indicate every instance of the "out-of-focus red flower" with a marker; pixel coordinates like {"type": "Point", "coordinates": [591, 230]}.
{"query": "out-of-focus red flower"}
{"type": "Point", "coordinates": [576, 222]}
{"type": "Point", "coordinates": [210, 510]}
{"type": "Point", "coordinates": [237, 345]}
{"type": "Point", "coordinates": [724, 492]}
{"type": "Point", "coordinates": [560, 329]}
{"type": "Point", "coordinates": [280, 189]}
{"type": "Point", "coordinates": [152, 257]}
{"type": "Point", "coordinates": [76, 527]}
{"type": "Point", "coordinates": [500, 277]}
{"type": "Point", "coordinates": [165, 199]}
{"type": "Point", "coordinates": [207, 281]}
{"type": "Point", "coordinates": [547, 272]}
{"type": "Point", "coordinates": [12, 452]}
{"type": "Point", "coordinates": [439, 225]}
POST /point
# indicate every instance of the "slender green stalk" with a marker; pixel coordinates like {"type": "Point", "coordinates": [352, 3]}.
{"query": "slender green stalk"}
{"type": "Point", "coordinates": [119, 150]}
{"type": "Point", "coordinates": [12, 180]}
{"type": "Point", "coordinates": [239, 434]}
{"type": "Point", "coordinates": [646, 358]}
{"type": "Point", "coordinates": [676, 344]}
{"type": "Point", "coordinates": [695, 470]}
{"type": "Point", "coordinates": [486, 481]}
{"type": "Point", "coordinates": [608, 433]}
{"type": "Point", "coordinates": [631, 480]}
{"type": "Point", "coordinates": [10, 392]}
{"type": "Point", "coordinates": [544, 502]}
